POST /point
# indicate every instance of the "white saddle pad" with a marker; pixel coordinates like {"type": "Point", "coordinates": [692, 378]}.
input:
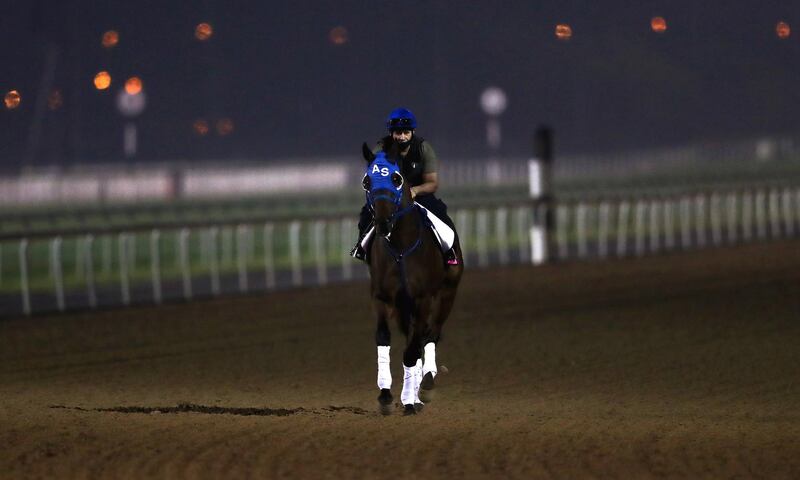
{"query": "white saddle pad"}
{"type": "Point", "coordinates": [443, 233]}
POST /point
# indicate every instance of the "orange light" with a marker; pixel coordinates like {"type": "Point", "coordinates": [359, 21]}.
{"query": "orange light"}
{"type": "Point", "coordinates": [55, 100]}
{"type": "Point", "coordinates": [658, 24]}
{"type": "Point", "coordinates": [203, 31]}
{"type": "Point", "coordinates": [13, 99]}
{"type": "Point", "coordinates": [563, 31]}
{"type": "Point", "coordinates": [110, 39]}
{"type": "Point", "coordinates": [783, 30]}
{"type": "Point", "coordinates": [224, 126]}
{"type": "Point", "coordinates": [102, 80]}
{"type": "Point", "coordinates": [200, 127]}
{"type": "Point", "coordinates": [338, 35]}
{"type": "Point", "coordinates": [133, 86]}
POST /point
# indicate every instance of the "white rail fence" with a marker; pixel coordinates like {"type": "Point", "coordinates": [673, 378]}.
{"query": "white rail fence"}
{"type": "Point", "coordinates": [62, 271]}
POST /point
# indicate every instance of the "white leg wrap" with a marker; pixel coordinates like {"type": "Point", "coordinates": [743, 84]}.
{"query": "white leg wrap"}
{"type": "Point", "coordinates": [430, 360]}
{"type": "Point", "coordinates": [384, 370]}
{"type": "Point", "coordinates": [417, 380]}
{"type": "Point", "coordinates": [409, 394]}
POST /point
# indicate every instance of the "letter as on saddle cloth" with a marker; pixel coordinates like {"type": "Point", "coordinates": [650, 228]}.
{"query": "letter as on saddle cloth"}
{"type": "Point", "coordinates": [441, 231]}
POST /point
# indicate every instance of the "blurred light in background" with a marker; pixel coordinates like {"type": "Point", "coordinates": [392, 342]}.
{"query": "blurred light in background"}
{"type": "Point", "coordinates": [224, 126]}
{"type": "Point", "coordinates": [133, 86]}
{"type": "Point", "coordinates": [783, 30]}
{"type": "Point", "coordinates": [563, 31]}
{"type": "Point", "coordinates": [200, 127]}
{"type": "Point", "coordinates": [13, 99]}
{"type": "Point", "coordinates": [55, 100]}
{"type": "Point", "coordinates": [338, 35]}
{"type": "Point", "coordinates": [203, 31]}
{"type": "Point", "coordinates": [110, 39]}
{"type": "Point", "coordinates": [102, 80]}
{"type": "Point", "coordinates": [658, 24]}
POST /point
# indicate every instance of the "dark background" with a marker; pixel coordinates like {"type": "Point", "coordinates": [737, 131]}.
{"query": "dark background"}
{"type": "Point", "coordinates": [719, 73]}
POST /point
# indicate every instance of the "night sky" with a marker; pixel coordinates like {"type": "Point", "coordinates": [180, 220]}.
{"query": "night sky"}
{"type": "Point", "coordinates": [718, 73]}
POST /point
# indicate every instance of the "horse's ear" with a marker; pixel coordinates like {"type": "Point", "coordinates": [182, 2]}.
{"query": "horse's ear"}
{"type": "Point", "coordinates": [368, 155]}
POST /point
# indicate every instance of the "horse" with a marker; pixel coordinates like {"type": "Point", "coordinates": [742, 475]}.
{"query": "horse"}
{"type": "Point", "coordinates": [410, 282]}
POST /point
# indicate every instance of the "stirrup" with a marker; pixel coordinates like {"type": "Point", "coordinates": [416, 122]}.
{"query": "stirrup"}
{"type": "Point", "coordinates": [358, 252]}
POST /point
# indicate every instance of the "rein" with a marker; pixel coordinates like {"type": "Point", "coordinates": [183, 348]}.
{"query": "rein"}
{"type": "Point", "coordinates": [400, 257]}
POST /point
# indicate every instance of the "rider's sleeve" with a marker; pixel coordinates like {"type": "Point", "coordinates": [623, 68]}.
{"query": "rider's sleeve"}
{"type": "Point", "coordinates": [429, 158]}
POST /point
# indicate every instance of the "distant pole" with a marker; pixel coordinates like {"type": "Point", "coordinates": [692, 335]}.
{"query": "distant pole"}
{"type": "Point", "coordinates": [540, 176]}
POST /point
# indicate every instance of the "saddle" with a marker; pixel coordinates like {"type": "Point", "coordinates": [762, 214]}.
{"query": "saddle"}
{"type": "Point", "coordinates": [445, 235]}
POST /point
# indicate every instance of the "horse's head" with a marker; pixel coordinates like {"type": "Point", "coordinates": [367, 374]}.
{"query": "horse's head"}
{"type": "Point", "coordinates": [386, 190]}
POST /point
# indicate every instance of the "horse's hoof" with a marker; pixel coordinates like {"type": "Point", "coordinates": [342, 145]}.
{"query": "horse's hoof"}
{"type": "Point", "coordinates": [385, 397]}
{"type": "Point", "coordinates": [427, 382]}
{"type": "Point", "coordinates": [409, 410]}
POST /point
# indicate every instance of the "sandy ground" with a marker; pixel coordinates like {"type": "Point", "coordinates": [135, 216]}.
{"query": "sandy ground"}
{"type": "Point", "coordinates": [679, 366]}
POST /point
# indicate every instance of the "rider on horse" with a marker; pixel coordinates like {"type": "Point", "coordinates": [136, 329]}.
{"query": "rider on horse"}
{"type": "Point", "coordinates": [418, 166]}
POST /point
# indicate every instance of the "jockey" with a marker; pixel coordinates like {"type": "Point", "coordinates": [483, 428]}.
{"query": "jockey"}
{"type": "Point", "coordinates": [419, 166]}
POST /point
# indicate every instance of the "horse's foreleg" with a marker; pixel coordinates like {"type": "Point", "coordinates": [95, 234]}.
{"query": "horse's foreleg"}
{"type": "Point", "coordinates": [383, 342]}
{"type": "Point", "coordinates": [412, 357]}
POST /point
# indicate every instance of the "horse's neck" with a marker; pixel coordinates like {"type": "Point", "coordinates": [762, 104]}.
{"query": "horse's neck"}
{"type": "Point", "coordinates": [407, 229]}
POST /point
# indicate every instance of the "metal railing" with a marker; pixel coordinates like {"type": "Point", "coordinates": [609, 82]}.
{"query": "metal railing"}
{"type": "Point", "coordinates": [94, 268]}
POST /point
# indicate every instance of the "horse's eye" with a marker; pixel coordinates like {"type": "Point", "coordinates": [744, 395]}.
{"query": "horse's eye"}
{"type": "Point", "coordinates": [397, 180]}
{"type": "Point", "coordinates": [366, 183]}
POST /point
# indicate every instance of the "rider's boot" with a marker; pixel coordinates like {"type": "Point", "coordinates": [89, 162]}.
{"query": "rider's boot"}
{"type": "Point", "coordinates": [358, 251]}
{"type": "Point", "coordinates": [450, 257]}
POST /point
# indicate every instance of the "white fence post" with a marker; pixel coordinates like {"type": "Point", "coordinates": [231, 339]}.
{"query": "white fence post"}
{"type": "Point", "coordinates": [294, 253]}
{"type": "Point", "coordinates": [655, 231]}
{"type": "Point", "coordinates": [685, 220]}
{"type": "Point", "coordinates": [155, 265]}
{"type": "Point", "coordinates": [788, 217]}
{"type": "Point", "coordinates": [732, 218]}
{"type": "Point", "coordinates": [715, 212]}
{"type": "Point", "coordinates": [91, 290]}
{"type": "Point", "coordinates": [747, 216]}
{"type": "Point", "coordinates": [622, 228]}
{"type": "Point", "coordinates": [562, 223]}
{"type": "Point", "coordinates": [482, 231]}
{"type": "Point", "coordinates": [639, 227]}
{"type": "Point", "coordinates": [774, 214]}
{"type": "Point", "coordinates": [23, 277]}
{"type": "Point", "coordinates": [186, 272]}
{"type": "Point", "coordinates": [761, 215]}
{"type": "Point", "coordinates": [669, 224]}
{"type": "Point", "coordinates": [463, 226]}
{"type": "Point", "coordinates": [213, 260]}
{"type": "Point", "coordinates": [522, 234]}
{"type": "Point", "coordinates": [269, 259]}
{"type": "Point", "coordinates": [241, 258]}
{"type": "Point", "coordinates": [346, 226]}
{"type": "Point", "coordinates": [56, 268]}
{"type": "Point", "coordinates": [580, 230]}
{"type": "Point", "coordinates": [700, 219]}
{"type": "Point", "coordinates": [603, 227]}
{"type": "Point", "coordinates": [123, 269]}
{"type": "Point", "coordinates": [501, 230]}
{"type": "Point", "coordinates": [107, 255]}
{"type": "Point", "coordinates": [320, 252]}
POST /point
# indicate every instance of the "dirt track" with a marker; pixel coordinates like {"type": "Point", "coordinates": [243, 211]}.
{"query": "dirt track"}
{"type": "Point", "coordinates": [682, 366]}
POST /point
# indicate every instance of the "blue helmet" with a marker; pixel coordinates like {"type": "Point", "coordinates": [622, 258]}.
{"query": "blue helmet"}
{"type": "Point", "coordinates": [401, 119]}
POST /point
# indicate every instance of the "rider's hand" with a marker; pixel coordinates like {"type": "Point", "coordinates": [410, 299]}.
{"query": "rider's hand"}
{"type": "Point", "coordinates": [413, 193]}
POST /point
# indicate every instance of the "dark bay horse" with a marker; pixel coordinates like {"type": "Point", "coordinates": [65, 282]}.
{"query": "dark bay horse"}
{"type": "Point", "coordinates": [410, 280]}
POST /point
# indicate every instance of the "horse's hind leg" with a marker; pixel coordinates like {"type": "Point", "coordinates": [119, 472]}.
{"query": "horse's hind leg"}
{"type": "Point", "coordinates": [445, 302]}
{"type": "Point", "coordinates": [412, 357]}
{"type": "Point", "coordinates": [383, 341]}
